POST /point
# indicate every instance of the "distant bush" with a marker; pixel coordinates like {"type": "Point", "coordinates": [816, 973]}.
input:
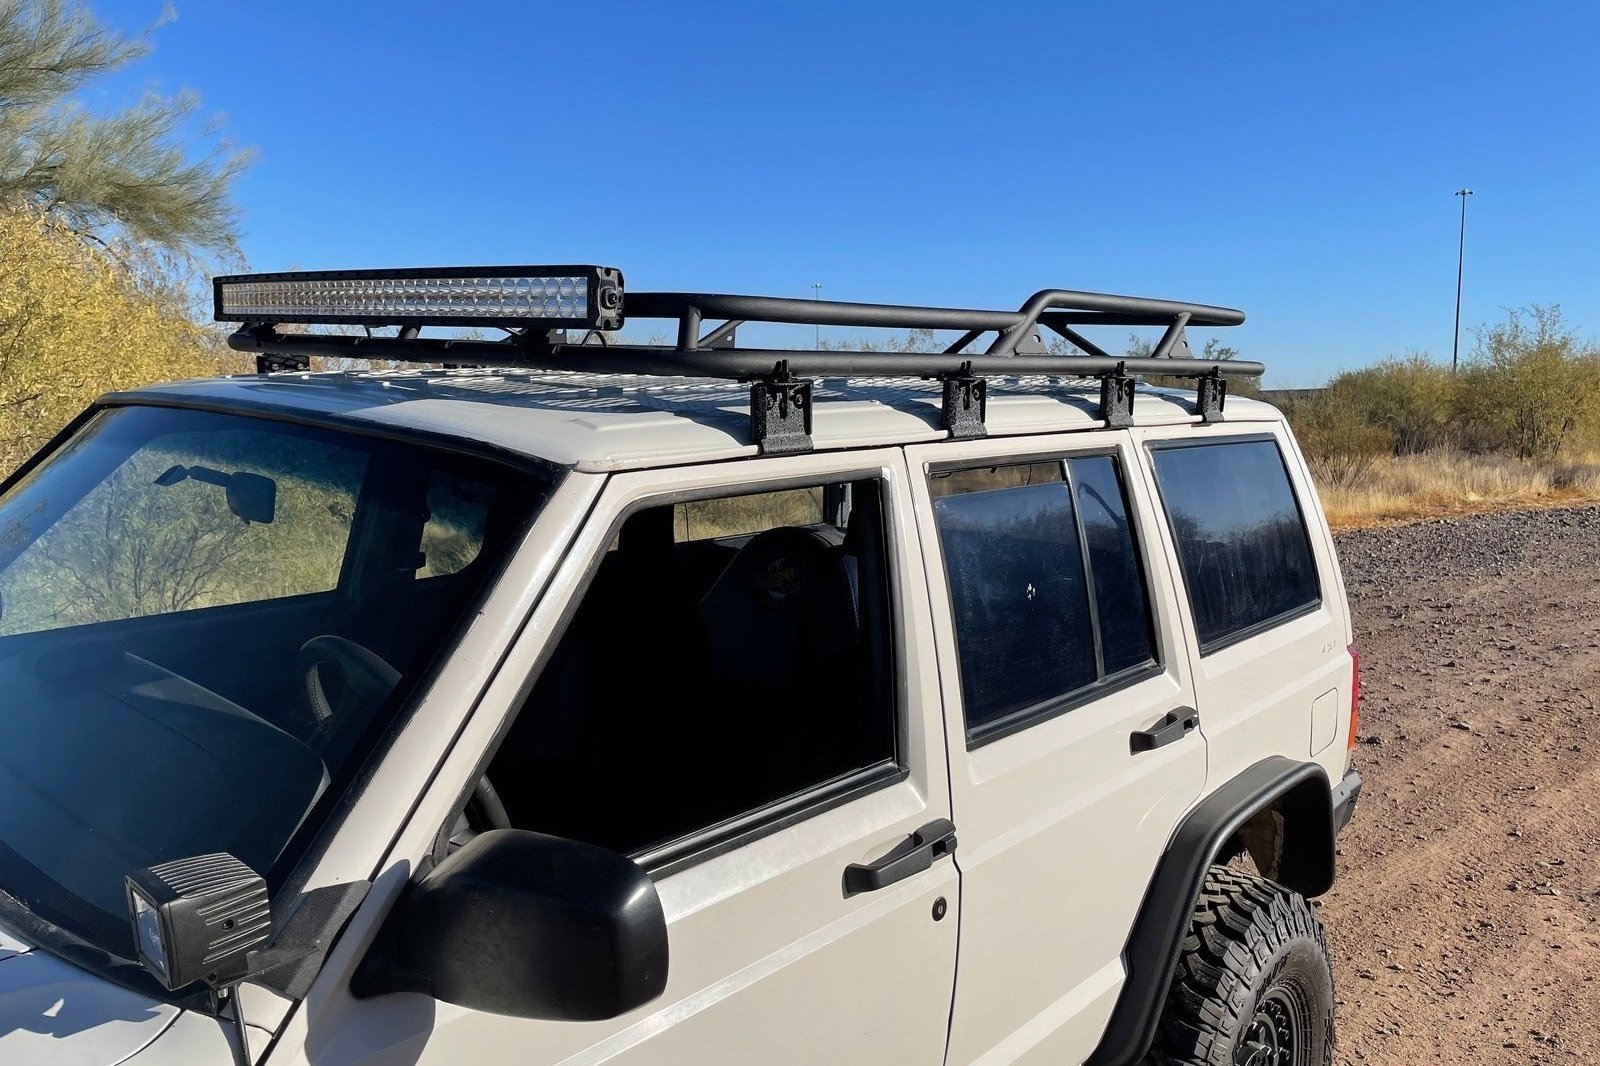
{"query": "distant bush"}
{"type": "Point", "coordinates": [1531, 389]}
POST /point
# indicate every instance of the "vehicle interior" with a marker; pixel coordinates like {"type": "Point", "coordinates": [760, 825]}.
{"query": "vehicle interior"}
{"type": "Point", "coordinates": [726, 654]}
{"type": "Point", "coordinates": [176, 635]}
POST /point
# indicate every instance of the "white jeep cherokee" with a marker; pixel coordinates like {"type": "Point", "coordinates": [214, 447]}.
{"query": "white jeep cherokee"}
{"type": "Point", "coordinates": [882, 708]}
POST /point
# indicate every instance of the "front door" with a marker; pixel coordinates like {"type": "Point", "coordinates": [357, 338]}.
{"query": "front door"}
{"type": "Point", "coordinates": [1074, 748]}
{"type": "Point", "coordinates": [732, 681]}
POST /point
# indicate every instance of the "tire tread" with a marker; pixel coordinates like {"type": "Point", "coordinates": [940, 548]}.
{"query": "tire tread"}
{"type": "Point", "coordinates": [1240, 923]}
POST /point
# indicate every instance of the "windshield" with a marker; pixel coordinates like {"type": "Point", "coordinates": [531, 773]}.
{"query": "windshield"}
{"type": "Point", "coordinates": [205, 621]}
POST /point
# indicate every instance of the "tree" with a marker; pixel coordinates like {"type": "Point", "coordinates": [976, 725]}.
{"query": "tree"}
{"type": "Point", "coordinates": [1532, 382]}
{"type": "Point", "coordinates": [127, 172]}
{"type": "Point", "coordinates": [1412, 399]}
{"type": "Point", "coordinates": [76, 321]}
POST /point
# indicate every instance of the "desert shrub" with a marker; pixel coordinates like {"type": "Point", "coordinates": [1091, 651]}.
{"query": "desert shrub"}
{"type": "Point", "coordinates": [1532, 387]}
{"type": "Point", "coordinates": [1336, 434]}
{"type": "Point", "coordinates": [1410, 399]}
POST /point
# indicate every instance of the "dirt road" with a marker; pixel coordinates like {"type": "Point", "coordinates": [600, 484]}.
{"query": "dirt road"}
{"type": "Point", "coordinates": [1466, 920]}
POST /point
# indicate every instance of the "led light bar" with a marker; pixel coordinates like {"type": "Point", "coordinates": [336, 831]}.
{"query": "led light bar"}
{"type": "Point", "coordinates": [560, 297]}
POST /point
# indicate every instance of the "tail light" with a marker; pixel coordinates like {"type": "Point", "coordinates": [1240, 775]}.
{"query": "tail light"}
{"type": "Point", "coordinates": [1355, 696]}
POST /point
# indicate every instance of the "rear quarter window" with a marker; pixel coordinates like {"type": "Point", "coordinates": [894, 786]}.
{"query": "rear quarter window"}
{"type": "Point", "coordinates": [1240, 535]}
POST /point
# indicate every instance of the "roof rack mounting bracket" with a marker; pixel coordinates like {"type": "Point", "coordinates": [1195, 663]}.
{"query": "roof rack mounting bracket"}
{"type": "Point", "coordinates": [1211, 392]}
{"type": "Point", "coordinates": [1116, 398]}
{"type": "Point", "coordinates": [780, 412]}
{"type": "Point", "coordinates": [966, 403]}
{"type": "Point", "coordinates": [273, 362]}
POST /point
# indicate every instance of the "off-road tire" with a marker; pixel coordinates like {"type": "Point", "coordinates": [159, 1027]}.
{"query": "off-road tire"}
{"type": "Point", "coordinates": [1253, 986]}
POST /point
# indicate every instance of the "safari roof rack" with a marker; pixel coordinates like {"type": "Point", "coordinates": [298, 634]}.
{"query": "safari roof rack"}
{"type": "Point", "coordinates": [539, 306]}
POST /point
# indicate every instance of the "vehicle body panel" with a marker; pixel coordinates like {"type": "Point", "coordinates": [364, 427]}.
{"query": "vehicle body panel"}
{"type": "Point", "coordinates": [52, 1012]}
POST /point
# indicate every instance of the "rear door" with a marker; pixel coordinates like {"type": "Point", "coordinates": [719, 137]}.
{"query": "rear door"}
{"type": "Point", "coordinates": [1069, 722]}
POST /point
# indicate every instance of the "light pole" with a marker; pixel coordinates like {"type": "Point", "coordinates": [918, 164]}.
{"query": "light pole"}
{"type": "Point", "coordinates": [1461, 257]}
{"type": "Point", "coordinates": [816, 294]}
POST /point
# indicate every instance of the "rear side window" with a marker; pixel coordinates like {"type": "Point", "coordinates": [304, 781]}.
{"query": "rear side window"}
{"type": "Point", "coordinates": [1240, 535]}
{"type": "Point", "coordinates": [1046, 591]}
{"type": "Point", "coordinates": [1119, 596]}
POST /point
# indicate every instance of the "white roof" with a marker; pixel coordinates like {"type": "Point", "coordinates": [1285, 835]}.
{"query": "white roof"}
{"type": "Point", "coordinates": [615, 422]}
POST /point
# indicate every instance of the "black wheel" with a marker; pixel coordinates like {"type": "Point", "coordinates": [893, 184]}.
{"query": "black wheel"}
{"type": "Point", "coordinates": [1253, 986]}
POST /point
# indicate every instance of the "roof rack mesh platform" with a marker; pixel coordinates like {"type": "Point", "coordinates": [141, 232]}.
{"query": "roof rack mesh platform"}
{"type": "Point", "coordinates": [538, 306]}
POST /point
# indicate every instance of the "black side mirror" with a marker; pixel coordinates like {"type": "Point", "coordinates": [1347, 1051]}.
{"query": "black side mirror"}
{"type": "Point", "coordinates": [253, 497]}
{"type": "Point", "coordinates": [527, 925]}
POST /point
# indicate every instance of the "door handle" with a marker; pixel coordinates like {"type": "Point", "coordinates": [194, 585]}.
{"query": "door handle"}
{"type": "Point", "coordinates": [1175, 726]}
{"type": "Point", "coordinates": [912, 855]}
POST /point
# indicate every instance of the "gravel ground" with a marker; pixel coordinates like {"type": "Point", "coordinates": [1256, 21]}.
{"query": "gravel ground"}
{"type": "Point", "coordinates": [1466, 920]}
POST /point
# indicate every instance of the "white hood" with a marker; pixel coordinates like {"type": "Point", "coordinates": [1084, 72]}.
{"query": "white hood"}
{"type": "Point", "coordinates": [54, 1014]}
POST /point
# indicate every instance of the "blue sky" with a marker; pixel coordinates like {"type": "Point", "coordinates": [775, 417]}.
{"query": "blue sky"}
{"type": "Point", "coordinates": [1294, 160]}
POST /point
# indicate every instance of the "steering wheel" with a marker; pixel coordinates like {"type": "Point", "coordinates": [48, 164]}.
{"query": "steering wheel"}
{"type": "Point", "coordinates": [365, 681]}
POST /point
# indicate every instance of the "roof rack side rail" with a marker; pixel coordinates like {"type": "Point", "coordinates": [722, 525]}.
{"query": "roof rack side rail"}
{"type": "Point", "coordinates": [739, 364]}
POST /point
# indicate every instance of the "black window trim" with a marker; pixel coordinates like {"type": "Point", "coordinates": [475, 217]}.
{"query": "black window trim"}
{"type": "Point", "coordinates": [1265, 625]}
{"type": "Point", "coordinates": [730, 834]}
{"type": "Point", "coordinates": [661, 859]}
{"type": "Point", "coordinates": [1055, 707]}
{"type": "Point", "coordinates": [1106, 684]}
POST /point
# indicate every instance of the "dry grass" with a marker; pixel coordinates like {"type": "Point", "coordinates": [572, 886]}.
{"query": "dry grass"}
{"type": "Point", "coordinates": [1366, 491]}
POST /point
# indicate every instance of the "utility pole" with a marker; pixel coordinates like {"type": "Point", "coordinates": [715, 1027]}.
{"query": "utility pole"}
{"type": "Point", "coordinates": [816, 294]}
{"type": "Point", "coordinates": [1461, 257]}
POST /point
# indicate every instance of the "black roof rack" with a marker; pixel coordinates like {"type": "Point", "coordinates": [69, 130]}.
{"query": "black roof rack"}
{"type": "Point", "coordinates": [781, 378]}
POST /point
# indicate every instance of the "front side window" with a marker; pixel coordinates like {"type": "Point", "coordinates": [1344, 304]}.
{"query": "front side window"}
{"type": "Point", "coordinates": [205, 620]}
{"type": "Point", "coordinates": [1047, 593]}
{"type": "Point", "coordinates": [1240, 536]}
{"type": "Point", "coordinates": [730, 658]}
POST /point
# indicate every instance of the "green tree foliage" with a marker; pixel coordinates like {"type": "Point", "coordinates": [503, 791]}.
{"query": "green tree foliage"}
{"type": "Point", "coordinates": [1532, 384]}
{"type": "Point", "coordinates": [128, 172]}
{"type": "Point", "coordinates": [78, 320]}
{"type": "Point", "coordinates": [1409, 402]}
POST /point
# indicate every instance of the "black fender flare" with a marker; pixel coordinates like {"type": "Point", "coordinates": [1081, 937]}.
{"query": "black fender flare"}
{"type": "Point", "coordinates": [1151, 954]}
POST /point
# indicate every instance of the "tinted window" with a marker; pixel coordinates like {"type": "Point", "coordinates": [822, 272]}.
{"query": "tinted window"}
{"type": "Point", "coordinates": [1119, 594]}
{"type": "Point", "coordinates": [160, 531]}
{"type": "Point", "coordinates": [729, 655]}
{"type": "Point", "coordinates": [1240, 537]}
{"type": "Point", "coordinates": [1017, 595]}
{"type": "Point", "coordinates": [206, 621]}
